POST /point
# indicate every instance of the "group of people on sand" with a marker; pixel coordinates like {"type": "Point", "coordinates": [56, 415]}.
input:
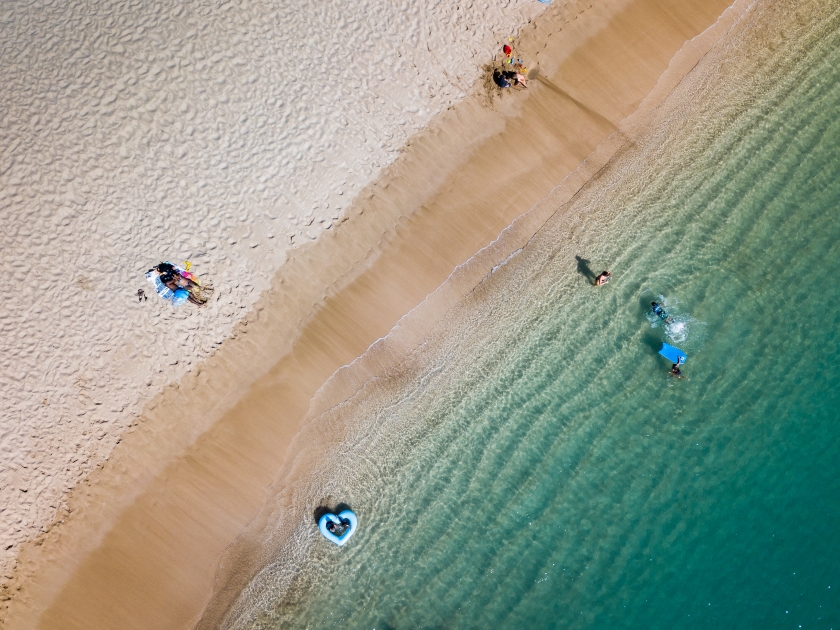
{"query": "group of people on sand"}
{"type": "Point", "coordinates": [515, 75]}
{"type": "Point", "coordinates": [177, 284]}
{"type": "Point", "coordinates": [509, 78]}
{"type": "Point", "coordinates": [605, 276]}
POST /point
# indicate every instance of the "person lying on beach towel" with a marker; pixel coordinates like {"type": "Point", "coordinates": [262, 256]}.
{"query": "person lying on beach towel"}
{"type": "Point", "coordinates": [660, 312]}
{"type": "Point", "coordinates": [174, 282]}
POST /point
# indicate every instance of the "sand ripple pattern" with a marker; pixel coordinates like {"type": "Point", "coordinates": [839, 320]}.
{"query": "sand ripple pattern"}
{"type": "Point", "coordinates": [220, 132]}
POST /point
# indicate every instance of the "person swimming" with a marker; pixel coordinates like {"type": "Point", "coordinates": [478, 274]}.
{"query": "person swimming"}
{"type": "Point", "coordinates": [660, 312]}
{"type": "Point", "coordinates": [603, 278]}
{"type": "Point", "coordinates": [675, 369]}
{"type": "Point", "coordinates": [508, 78]}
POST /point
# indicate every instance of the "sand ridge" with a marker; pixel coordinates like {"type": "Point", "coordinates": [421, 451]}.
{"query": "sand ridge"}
{"type": "Point", "coordinates": [225, 133]}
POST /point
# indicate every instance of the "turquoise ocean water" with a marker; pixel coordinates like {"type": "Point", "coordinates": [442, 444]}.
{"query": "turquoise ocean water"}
{"type": "Point", "coordinates": [538, 468]}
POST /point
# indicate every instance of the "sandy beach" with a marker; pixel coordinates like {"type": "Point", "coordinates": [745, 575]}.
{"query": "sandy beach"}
{"type": "Point", "coordinates": [209, 132]}
{"type": "Point", "coordinates": [215, 134]}
{"type": "Point", "coordinates": [177, 435]}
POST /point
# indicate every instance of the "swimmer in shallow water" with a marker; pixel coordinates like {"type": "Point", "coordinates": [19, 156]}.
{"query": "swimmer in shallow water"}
{"type": "Point", "coordinates": [675, 369]}
{"type": "Point", "coordinates": [660, 312]}
{"type": "Point", "coordinates": [603, 278]}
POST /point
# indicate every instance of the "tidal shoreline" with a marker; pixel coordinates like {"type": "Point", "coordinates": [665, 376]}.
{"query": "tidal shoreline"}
{"type": "Point", "coordinates": [149, 558]}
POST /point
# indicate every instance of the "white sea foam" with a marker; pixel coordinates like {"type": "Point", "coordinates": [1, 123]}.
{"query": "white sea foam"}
{"type": "Point", "coordinates": [220, 132]}
{"type": "Point", "coordinates": [680, 327]}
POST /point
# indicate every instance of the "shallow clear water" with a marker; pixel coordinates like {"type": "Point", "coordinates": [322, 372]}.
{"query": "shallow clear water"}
{"type": "Point", "coordinates": [540, 469]}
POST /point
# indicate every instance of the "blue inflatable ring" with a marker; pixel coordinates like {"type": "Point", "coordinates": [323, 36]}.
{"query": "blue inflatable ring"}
{"type": "Point", "coordinates": [346, 515]}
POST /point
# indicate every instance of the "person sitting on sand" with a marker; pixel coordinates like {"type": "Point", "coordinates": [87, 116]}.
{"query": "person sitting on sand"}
{"type": "Point", "coordinates": [507, 78]}
{"type": "Point", "coordinates": [603, 278]}
{"type": "Point", "coordinates": [503, 78]}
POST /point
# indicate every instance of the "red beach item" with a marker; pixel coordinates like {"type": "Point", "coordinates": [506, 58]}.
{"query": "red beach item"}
{"type": "Point", "coordinates": [507, 50]}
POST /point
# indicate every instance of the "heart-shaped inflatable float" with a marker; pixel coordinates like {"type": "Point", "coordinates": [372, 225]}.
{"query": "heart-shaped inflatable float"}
{"type": "Point", "coordinates": [344, 519]}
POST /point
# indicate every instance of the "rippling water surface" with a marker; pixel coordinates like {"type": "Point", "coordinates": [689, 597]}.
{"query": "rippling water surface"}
{"type": "Point", "coordinates": [540, 469]}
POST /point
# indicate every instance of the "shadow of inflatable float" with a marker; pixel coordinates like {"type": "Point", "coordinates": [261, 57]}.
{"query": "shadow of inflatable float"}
{"type": "Point", "coordinates": [344, 518]}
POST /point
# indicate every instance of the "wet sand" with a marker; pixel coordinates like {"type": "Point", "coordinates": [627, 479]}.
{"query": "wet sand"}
{"type": "Point", "coordinates": [147, 532]}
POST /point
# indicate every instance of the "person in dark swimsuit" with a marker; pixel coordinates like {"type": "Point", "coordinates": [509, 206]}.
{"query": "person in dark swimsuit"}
{"type": "Point", "coordinates": [675, 370]}
{"type": "Point", "coordinates": [660, 312]}
{"type": "Point", "coordinates": [503, 79]}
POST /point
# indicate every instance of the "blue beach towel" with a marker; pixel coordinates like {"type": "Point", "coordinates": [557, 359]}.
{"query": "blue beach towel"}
{"type": "Point", "coordinates": [177, 297]}
{"type": "Point", "coordinates": [180, 296]}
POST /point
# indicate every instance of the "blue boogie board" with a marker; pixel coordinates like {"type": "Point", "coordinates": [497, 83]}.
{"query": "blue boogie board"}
{"type": "Point", "coordinates": [674, 355]}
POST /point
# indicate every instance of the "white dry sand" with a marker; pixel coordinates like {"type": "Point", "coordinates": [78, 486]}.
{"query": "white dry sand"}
{"type": "Point", "coordinates": [213, 131]}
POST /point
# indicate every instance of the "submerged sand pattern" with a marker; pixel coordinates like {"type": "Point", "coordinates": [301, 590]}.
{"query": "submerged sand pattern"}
{"type": "Point", "coordinates": [218, 132]}
{"type": "Point", "coordinates": [377, 449]}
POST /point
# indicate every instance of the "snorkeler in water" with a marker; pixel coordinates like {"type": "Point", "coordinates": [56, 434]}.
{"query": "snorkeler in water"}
{"type": "Point", "coordinates": [660, 312]}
